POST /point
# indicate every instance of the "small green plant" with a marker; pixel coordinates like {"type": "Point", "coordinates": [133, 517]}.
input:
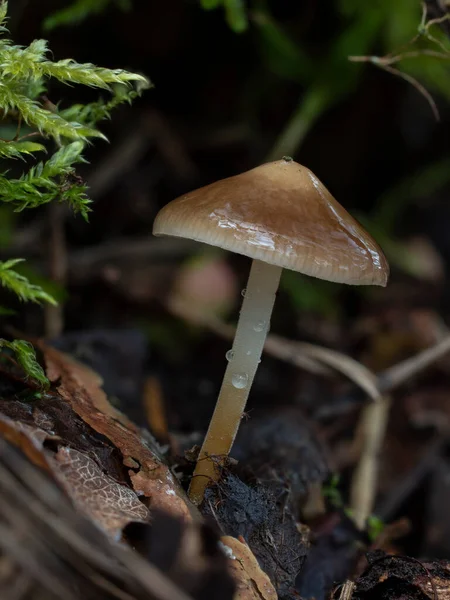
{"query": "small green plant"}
{"type": "Point", "coordinates": [375, 527]}
{"type": "Point", "coordinates": [19, 285]}
{"type": "Point", "coordinates": [25, 357]}
{"type": "Point", "coordinates": [60, 132]}
{"type": "Point", "coordinates": [330, 490]}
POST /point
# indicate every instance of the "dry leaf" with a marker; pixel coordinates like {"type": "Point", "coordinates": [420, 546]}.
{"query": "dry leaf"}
{"type": "Point", "coordinates": [51, 551]}
{"type": "Point", "coordinates": [80, 387]}
{"type": "Point", "coordinates": [29, 439]}
{"type": "Point", "coordinates": [252, 583]}
{"type": "Point", "coordinates": [108, 503]}
{"type": "Point", "coordinates": [162, 493]}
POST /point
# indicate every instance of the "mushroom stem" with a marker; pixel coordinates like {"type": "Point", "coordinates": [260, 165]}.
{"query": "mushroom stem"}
{"type": "Point", "coordinates": [251, 332]}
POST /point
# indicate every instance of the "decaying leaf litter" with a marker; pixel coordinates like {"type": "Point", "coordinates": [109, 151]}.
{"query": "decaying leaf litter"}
{"type": "Point", "coordinates": [342, 450]}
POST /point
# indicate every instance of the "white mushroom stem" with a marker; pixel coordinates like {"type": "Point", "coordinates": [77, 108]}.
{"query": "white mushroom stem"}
{"type": "Point", "coordinates": [251, 332]}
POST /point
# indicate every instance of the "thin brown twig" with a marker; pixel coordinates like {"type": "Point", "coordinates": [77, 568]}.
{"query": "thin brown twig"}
{"type": "Point", "coordinates": [371, 430]}
{"type": "Point", "coordinates": [29, 135]}
{"type": "Point", "coordinates": [385, 62]}
{"type": "Point", "coordinates": [347, 590]}
{"type": "Point", "coordinates": [402, 53]}
{"type": "Point", "coordinates": [401, 372]}
{"type": "Point", "coordinates": [390, 59]}
{"type": "Point", "coordinates": [419, 87]}
{"type": "Point", "coordinates": [19, 127]}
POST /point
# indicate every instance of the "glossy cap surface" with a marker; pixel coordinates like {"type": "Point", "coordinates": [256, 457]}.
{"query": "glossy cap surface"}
{"type": "Point", "coordinates": [279, 213]}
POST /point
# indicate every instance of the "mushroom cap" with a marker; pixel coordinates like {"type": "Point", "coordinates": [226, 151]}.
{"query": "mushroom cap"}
{"type": "Point", "coordinates": [279, 213]}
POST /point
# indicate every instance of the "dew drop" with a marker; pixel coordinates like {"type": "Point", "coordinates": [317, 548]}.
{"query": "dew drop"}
{"type": "Point", "coordinates": [248, 353]}
{"type": "Point", "coordinates": [244, 291]}
{"type": "Point", "coordinates": [239, 380]}
{"type": "Point", "coordinates": [229, 355]}
{"type": "Point", "coordinates": [259, 326]}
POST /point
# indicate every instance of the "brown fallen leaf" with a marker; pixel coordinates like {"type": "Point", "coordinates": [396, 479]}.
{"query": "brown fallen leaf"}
{"type": "Point", "coordinates": [252, 583]}
{"type": "Point", "coordinates": [29, 439]}
{"type": "Point", "coordinates": [48, 550]}
{"type": "Point", "coordinates": [108, 503]}
{"type": "Point", "coordinates": [80, 387]}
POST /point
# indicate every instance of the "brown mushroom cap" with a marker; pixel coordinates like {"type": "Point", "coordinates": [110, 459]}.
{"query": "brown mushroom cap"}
{"type": "Point", "coordinates": [279, 213]}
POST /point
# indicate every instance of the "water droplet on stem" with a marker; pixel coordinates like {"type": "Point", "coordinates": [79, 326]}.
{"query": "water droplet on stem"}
{"type": "Point", "coordinates": [239, 380]}
{"type": "Point", "coordinates": [229, 355]}
{"type": "Point", "coordinates": [259, 326]}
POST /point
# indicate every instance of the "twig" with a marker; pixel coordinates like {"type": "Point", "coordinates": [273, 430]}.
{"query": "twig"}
{"type": "Point", "coordinates": [371, 429]}
{"type": "Point", "coordinates": [419, 87]}
{"type": "Point", "coordinates": [402, 53]}
{"type": "Point", "coordinates": [401, 372]}
{"type": "Point", "coordinates": [347, 590]}
{"type": "Point", "coordinates": [385, 65]}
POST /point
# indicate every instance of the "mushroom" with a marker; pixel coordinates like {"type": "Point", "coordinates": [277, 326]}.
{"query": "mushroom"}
{"type": "Point", "coordinates": [282, 217]}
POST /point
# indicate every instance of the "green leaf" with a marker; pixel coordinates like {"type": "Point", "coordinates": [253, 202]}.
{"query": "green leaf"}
{"type": "Point", "coordinates": [52, 288]}
{"type": "Point", "coordinates": [375, 527]}
{"type": "Point", "coordinates": [64, 157]}
{"type": "Point", "coordinates": [330, 490]}
{"type": "Point", "coordinates": [52, 180]}
{"type": "Point", "coordinates": [3, 13]}
{"type": "Point", "coordinates": [24, 72]}
{"type": "Point", "coordinates": [15, 149]}
{"type": "Point", "coordinates": [80, 10]}
{"type": "Point", "coordinates": [423, 183]}
{"type": "Point", "coordinates": [19, 285]}
{"type": "Point", "coordinates": [282, 55]}
{"type": "Point", "coordinates": [90, 114]}
{"type": "Point", "coordinates": [26, 357]}
{"type": "Point", "coordinates": [45, 121]}
{"type": "Point", "coordinates": [236, 15]}
{"type": "Point", "coordinates": [332, 79]}
{"type": "Point", "coordinates": [210, 4]}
